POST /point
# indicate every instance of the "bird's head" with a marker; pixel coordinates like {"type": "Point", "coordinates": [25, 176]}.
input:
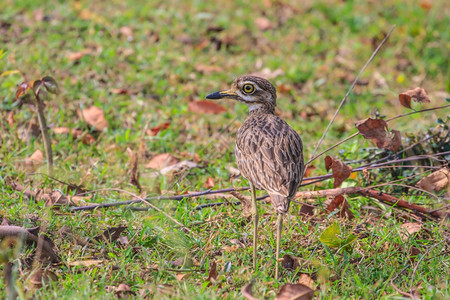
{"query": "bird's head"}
{"type": "Point", "coordinates": [256, 92]}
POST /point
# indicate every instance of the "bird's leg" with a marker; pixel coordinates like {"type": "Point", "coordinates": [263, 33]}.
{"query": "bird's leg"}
{"type": "Point", "coordinates": [279, 229]}
{"type": "Point", "coordinates": [255, 224]}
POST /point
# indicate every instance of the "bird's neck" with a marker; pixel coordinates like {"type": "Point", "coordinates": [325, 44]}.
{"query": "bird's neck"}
{"type": "Point", "coordinates": [257, 109]}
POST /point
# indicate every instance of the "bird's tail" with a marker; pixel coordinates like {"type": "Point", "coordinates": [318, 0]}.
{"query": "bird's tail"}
{"type": "Point", "coordinates": [280, 203]}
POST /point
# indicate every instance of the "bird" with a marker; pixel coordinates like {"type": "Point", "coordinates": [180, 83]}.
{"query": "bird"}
{"type": "Point", "coordinates": [269, 152]}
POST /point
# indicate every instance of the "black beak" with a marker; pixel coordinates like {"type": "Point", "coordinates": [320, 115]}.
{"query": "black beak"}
{"type": "Point", "coordinates": [216, 95]}
{"type": "Point", "coordinates": [222, 94]}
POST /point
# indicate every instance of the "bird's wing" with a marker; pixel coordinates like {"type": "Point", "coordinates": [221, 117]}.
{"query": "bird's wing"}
{"type": "Point", "coordinates": [269, 153]}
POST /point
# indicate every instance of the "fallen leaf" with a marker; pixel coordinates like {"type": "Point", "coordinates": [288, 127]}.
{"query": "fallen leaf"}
{"type": "Point", "coordinates": [247, 291]}
{"type": "Point", "coordinates": [436, 181]}
{"type": "Point", "coordinates": [74, 56]}
{"type": "Point", "coordinates": [340, 170]}
{"type": "Point", "coordinates": [182, 165]}
{"type": "Point", "coordinates": [126, 31]}
{"type": "Point", "coordinates": [306, 209]}
{"type": "Point", "coordinates": [209, 183]}
{"type": "Point", "coordinates": [123, 240]}
{"type": "Point", "coordinates": [10, 118]}
{"type": "Point", "coordinates": [291, 291]}
{"type": "Point", "coordinates": [238, 243]}
{"type": "Point", "coordinates": [306, 281]}
{"type": "Point", "coordinates": [207, 69]}
{"type": "Point", "coordinates": [376, 130]}
{"type": "Point", "coordinates": [181, 276]}
{"type": "Point", "coordinates": [111, 234]}
{"type": "Point", "coordinates": [206, 107]}
{"type": "Point", "coordinates": [119, 91]}
{"type": "Point", "coordinates": [155, 130]}
{"type": "Point", "coordinates": [409, 229]}
{"type": "Point", "coordinates": [263, 24]}
{"type": "Point", "coordinates": [160, 161]}
{"type": "Point", "coordinates": [344, 208]}
{"type": "Point", "coordinates": [86, 138]}
{"type": "Point", "coordinates": [94, 117]}
{"type": "Point", "coordinates": [212, 274]}
{"type": "Point", "coordinates": [290, 262]}
{"type": "Point", "coordinates": [123, 288]}
{"type": "Point", "coordinates": [85, 263]}
{"type": "Point", "coordinates": [418, 95]}
{"type": "Point", "coordinates": [134, 174]}
{"type": "Point", "coordinates": [38, 277]}
{"type": "Point", "coordinates": [37, 156]}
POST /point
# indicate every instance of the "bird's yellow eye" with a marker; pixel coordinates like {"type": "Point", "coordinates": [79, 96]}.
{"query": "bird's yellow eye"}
{"type": "Point", "coordinates": [248, 88]}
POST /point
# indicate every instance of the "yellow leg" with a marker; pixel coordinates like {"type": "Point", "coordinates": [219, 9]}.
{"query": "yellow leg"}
{"type": "Point", "coordinates": [279, 229]}
{"type": "Point", "coordinates": [255, 223]}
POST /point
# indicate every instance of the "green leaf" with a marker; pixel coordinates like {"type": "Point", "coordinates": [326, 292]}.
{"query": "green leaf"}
{"type": "Point", "coordinates": [347, 243]}
{"type": "Point", "coordinates": [50, 84]}
{"type": "Point", "coordinates": [330, 236]}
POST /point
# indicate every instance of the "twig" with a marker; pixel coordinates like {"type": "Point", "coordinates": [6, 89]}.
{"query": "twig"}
{"type": "Point", "coordinates": [416, 112]}
{"type": "Point", "coordinates": [137, 199]}
{"type": "Point", "coordinates": [350, 90]}
{"type": "Point", "coordinates": [44, 129]}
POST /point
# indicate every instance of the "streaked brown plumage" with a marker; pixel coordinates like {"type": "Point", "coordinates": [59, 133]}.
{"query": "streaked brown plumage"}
{"type": "Point", "coordinates": [269, 153]}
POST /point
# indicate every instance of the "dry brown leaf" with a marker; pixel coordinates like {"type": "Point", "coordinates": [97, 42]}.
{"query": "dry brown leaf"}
{"type": "Point", "coordinates": [155, 130]}
{"type": "Point", "coordinates": [376, 130]}
{"type": "Point", "coordinates": [232, 248]}
{"type": "Point", "coordinates": [247, 291]}
{"type": "Point", "coordinates": [344, 208]}
{"type": "Point", "coordinates": [297, 291]}
{"type": "Point", "coordinates": [86, 263]}
{"type": "Point", "coordinates": [126, 31]}
{"type": "Point", "coordinates": [123, 290]}
{"type": "Point", "coordinates": [160, 161]}
{"type": "Point", "coordinates": [209, 183]}
{"type": "Point", "coordinates": [340, 170]}
{"type": "Point", "coordinates": [418, 95]}
{"type": "Point", "coordinates": [238, 243]}
{"type": "Point", "coordinates": [306, 210]}
{"type": "Point", "coordinates": [119, 91]}
{"type": "Point", "coordinates": [42, 276]}
{"type": "Point", "coordinates": [207, 69]}
{"type": "Point", "coordinates": [94, 117]}
{"type": "Point", "coordinates": [37, 156]}
{"type": "Point", "coordinates": [290, 262]}
{"type": "Point", "coordinates": [206, 107]}
{"type": "Point", "coordinates": [212, 274]}
{"type": "Point", "coordinates": [436, 181]}
{"type": "Point", "coordinates": [263, 24]}
{"type": "Point", "coordinates": [74, 56]}
{"type": "Point", "coordinates": [409, 229]}
{"type": "Point", "coordinates": [86, 138]}
{"type": "Point", "coordinates": [178, 167]}
{"type": "Point", "coordinates": [181, 276]}
{"type": "Point", "coordinates": [111, 234]}
{"type": "Point", "coordinates": [306, 281]}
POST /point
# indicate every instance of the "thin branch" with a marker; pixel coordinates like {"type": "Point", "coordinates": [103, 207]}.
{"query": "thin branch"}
{"type": "Point", "coordinates": [416, 112]}
{"type": "Point", "coordinates": [350, 89]}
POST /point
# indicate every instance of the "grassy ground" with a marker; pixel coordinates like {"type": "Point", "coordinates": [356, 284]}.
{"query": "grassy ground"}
{"type": "Point", "coordinates": [165, 54]}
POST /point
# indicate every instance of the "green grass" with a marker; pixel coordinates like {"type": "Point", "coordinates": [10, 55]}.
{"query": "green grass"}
{"type": "Point", "coordinates": [320, 47]}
